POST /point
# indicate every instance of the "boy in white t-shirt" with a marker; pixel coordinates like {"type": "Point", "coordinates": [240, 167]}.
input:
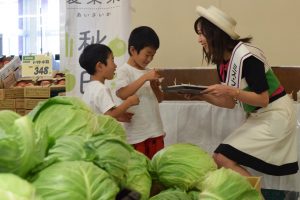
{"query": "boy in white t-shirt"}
{"type": "Point", "coordinates": [98, 61]}
{"type": "Point", "coordinates": [145, 131]}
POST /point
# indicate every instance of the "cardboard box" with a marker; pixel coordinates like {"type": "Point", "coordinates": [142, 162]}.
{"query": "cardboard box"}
{"type": "Point", "coordinates": [7, 104]}
{"type": "Point", "coordinates": [10, 67]}
{"type": "Point", "coordinates": [32, 92]}
{"type": "Point", "coordinates": [27, 111]}
{"type": "Point", "coordinates": [21, 111]}
{"type": "Point", "coordinates": [20, 103]}
{"type": "Point", "coordinates": [7, 94]}
{"type": "Point", "coordinates": [11, 79]}
{"type": "Point", "coordinates": [255, 181]}
{"type": "Point", "coordinates": [29, 104]}
{"type": "Point", "coordinates": [38, 92]}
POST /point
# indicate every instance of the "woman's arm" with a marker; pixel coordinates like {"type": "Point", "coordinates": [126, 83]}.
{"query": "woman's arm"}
{"type": "Point", "coordinates": [225, 96]}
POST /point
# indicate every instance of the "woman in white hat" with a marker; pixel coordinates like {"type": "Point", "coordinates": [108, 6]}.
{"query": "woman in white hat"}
{"type": "Point", "coordinates": [267, 141]}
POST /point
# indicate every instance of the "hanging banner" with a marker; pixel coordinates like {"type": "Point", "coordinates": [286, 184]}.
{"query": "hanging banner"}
{"type": "Point", "coordinates": [85, 22]}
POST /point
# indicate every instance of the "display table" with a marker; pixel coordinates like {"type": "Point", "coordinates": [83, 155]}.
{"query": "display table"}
{"type": "Point", "coordinates": [207, 126]}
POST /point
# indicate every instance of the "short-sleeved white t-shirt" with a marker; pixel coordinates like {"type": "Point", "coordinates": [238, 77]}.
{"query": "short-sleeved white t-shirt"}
{"type": "Point", "coordinates": [98, 97]}
{"type": "Point", "coordinates": [146, 121]}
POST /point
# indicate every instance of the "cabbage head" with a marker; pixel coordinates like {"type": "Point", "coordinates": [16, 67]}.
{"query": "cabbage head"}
{"type": "Point", "coordinates": [111, 154]}
{"type": "Point", "coordinates": [13, 187]}
{"type": "Point", "coordinates": [110, 126]}
{"type": "Point", "coordinates": [171, 194]}
{"type": "Point", "coordinates": [138, 177]}
{"type": "Point", "coordinates": [69, 148]}
{"type": "Point", "coordinates": [182, 166]}
{"type": "Point", "coordinates": [226, 184]}
{"type": "Point", "coordinates": [78, 180]}
{"type": "Point", "coordinates": [64, 115]}
{"type": "Point", "coordinates": [66, 148]}
{"type": "Point", "coordinates": [21, 147]}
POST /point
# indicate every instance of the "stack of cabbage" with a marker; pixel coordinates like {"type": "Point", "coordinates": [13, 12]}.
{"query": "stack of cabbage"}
{"type": "Point", "coordinates": [62, 150]}
{"type": "Point", "coordinates": [188, 173]}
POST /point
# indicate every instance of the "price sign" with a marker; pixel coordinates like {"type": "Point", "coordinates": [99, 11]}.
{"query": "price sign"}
{"type": "Point", "coordinates": [37, 65]}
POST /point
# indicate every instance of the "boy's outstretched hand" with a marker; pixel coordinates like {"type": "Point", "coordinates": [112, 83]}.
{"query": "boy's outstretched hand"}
{"type": "Point", "coordinates": [133, 100]}
{"type": "Point", "coordinates": [152, 75]}
{"type": "Point", "coordinates": [125, 117]}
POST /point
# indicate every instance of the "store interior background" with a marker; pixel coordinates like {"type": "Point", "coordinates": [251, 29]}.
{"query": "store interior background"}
{"type": "Point", "coordinates": [272, 23]}
{"type": "Point", "coordinates": [33, 28]}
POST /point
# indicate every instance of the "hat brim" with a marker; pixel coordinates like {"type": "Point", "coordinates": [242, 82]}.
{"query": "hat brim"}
{"type": "Point", "coordinates": [202, 12]}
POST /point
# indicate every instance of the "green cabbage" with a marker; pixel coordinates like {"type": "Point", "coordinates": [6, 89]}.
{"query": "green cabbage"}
{"type": "Point", "coordinates": [66, 148]}
{"type": "Point", "coordinates": [110, 126]}
{"type": "Point", "coordinates": [111, 154]}
{"type": "Point", "coordinates": [21, 148]}
{"type": "Point", "coordinates": [64, 115]}
{"type": "Point", "coordinates": [138, 177]}
{"type": "Point", "coordinates": [171, 194]}
{"type": "Point", "coordinates": [194, 195]}
{"type": "Point", "coordinates": [78, 180]}
{"type": "Point", "coordinates": [70, 148]}
{"type": "Point", "coordinates": [12, 187]}
{"type": "Point", "coordinates": [226, 184]}
{"type": "Point", "coordinates": [182, 166]}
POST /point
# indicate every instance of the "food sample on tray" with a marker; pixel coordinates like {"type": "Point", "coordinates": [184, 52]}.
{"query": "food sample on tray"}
{"type": "Point", "coordinates": [185, 89]}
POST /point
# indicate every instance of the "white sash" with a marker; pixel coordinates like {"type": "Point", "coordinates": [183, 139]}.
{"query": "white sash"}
{"type": "Point", "coordinates": [239, 54]}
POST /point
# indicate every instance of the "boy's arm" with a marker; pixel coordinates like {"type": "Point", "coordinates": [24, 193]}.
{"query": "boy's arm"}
{"type": "Point", "coordinates": [121, 109]}
{"type": "Point", "coordinates": [157, 91]}
{"type": "Point", "coordinates": [133, 87]}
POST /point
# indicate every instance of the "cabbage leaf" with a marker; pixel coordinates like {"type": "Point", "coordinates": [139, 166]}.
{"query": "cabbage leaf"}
{"type": "Point", "coordinates": [182, 166]}
{"type": "Point", "coordinates": [78, 180]}
{"type": "Point", "coordinates": [21, 147]}
{"type": "Point", "coordinates": [13, 187]}
{"type": "Point", "coordinates": [226, 184]}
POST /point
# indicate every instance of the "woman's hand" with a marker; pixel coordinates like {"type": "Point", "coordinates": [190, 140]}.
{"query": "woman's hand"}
{"type": "Point", "coordinates": [220, 90]}
{"type": "Point", "coordinates": [193, 97]}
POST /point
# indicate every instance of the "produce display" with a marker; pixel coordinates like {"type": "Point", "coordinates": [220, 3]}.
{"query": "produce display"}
{"type": "Point", "coordinates": [4, 60]}
{"type": "Point", "coordinates": [62, 150]}
{"type": "Point", "coordinates": [43, 82]}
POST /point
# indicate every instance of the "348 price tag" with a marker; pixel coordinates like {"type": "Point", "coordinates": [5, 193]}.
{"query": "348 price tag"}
{"type": "Point", "coordinates": [40, 71]}
{"type": "Point", "coordinates": [37, 65]}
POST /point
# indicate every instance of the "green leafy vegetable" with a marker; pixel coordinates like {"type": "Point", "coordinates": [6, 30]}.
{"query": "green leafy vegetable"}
{"type": "Point", "coordinates": [138, 177]}
{"type": "Point", "coordinates": [65, 115]}
{"type": "Point", "coordinates": [111, 154]}
{"type": "Point", "coordinates": [110, 126]}
{"type": "Point", "coordinates": [226, 184]}
{"type": "Point", "coordinates": [171, 194]}
{"type": "Point", "coordinates": [182, 166]}
{"type": "Point", "coordinates": [75, 180]}
{"type": "Point", "coordinates": [21, 148]}
{"type": "Point", "coordinates": [12, 187]}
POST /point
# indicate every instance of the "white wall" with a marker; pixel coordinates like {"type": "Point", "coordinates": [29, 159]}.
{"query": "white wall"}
{"type": "Point", "coordinates": [273, 24]}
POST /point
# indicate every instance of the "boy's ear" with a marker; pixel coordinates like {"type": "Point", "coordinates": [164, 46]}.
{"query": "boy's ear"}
{"type": "Point", "coordinates": [132, 49]}
{"type": "Point", "coordinates": [99, 65]}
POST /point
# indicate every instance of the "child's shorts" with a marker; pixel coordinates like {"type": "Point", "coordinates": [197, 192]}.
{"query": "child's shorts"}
{"type": "Point", "coordinates": [150, 146]}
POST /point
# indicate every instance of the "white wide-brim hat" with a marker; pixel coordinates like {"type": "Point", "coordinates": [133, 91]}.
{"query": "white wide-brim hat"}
{"type": "Point", "coordinates": [220, 19]}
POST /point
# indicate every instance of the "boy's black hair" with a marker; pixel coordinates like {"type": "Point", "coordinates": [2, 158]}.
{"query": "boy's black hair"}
{"type": "Point", "coordinates": [92, 54]}
{"type": "Point", "coordinates": [142, 37]}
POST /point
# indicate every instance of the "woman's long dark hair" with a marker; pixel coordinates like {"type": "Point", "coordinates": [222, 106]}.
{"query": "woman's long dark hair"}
{"type": "Point", "coordinates": [217, 40]}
